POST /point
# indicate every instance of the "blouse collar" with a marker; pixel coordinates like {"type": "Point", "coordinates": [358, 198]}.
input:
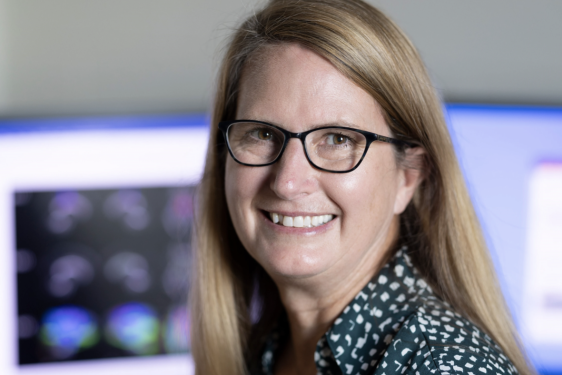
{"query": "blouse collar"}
{"type": "Point", "coordinates": [360, 335]}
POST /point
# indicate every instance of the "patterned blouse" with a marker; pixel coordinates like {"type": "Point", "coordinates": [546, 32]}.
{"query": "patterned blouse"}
{"type": "Point", "coordinates": [396, 325]}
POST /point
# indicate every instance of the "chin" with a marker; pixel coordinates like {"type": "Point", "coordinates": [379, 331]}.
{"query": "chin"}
{"type": "Point", "coordinates": [294, 263]}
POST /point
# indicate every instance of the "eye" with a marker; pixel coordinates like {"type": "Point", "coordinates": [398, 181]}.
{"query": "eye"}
{"type": "Point", "coordinates": [337, 139]}
{"type": "Point", "coordinates": [263, 134]}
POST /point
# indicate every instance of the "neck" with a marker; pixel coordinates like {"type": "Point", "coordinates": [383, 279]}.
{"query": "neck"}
{"type": "Point", "coordinates": [313, 305]}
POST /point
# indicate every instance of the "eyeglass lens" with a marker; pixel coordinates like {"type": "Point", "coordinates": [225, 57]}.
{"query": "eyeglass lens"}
{"type": "Point", "coordinates": [330, 148]}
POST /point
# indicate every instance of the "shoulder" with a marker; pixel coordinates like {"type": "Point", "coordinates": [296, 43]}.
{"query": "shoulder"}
{"type": "Point", "coordinates": [436, 340]}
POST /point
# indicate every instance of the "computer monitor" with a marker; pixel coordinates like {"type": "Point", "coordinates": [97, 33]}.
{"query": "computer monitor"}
{"type": "Point", "coordinates": [512, 159]}
{"type": "Point", "coordinates": [95, 243]}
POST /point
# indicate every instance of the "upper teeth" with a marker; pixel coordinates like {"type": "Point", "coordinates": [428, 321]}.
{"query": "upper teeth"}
{"type": "Point", "coordinates": [300, 221]}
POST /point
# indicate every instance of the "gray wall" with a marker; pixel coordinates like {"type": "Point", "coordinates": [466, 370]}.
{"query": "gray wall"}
{"type": "Point", "coordinates": [3, 58]}
{"type": "Point", "coordinates": [62, 57]}
{"type": "Point", "coordinates": [506, 51]}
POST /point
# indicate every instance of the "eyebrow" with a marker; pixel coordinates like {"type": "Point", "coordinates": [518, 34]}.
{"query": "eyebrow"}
{"type": "Point", "coordinates": [341, 123]}
{"type": "Point", "coordinates": [324, 125]}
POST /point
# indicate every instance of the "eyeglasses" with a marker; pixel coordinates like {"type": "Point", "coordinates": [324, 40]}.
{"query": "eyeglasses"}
{"type": "Point", "coordinates": [335, 149]}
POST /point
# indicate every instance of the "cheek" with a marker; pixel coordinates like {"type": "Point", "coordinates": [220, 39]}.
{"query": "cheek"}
{"type": "Point", "coordinates": [237, 189]}
{"type": "Point", "coordinates": [367, 195]}
{"type": "Point", "coordinates": [242, 185]}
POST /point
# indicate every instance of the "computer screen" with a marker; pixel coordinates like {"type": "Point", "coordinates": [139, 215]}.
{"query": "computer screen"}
{"type": "Point", "coordinates": [95, 237]}
{"type": "Point", "coordinates": [95, 240]}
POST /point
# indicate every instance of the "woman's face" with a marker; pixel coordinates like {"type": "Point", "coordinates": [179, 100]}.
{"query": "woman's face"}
{"type": "Point", "coordinates": [298, 90]}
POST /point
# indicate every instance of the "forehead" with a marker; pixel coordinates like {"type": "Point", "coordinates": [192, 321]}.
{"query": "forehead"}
{"type": "Point", "coordinates": [295, 88]}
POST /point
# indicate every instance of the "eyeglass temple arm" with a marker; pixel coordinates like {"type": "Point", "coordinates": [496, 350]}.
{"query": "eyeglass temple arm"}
{"type": "Point", "coordinates": [398, 142]}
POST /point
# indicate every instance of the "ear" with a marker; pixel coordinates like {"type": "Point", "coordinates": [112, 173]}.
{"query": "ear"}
{"type": "Point", "coordinates": [410, 175]}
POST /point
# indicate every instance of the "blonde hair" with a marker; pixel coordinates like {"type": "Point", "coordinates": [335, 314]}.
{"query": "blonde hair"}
{"type": "Point", "coordinates": [369, 49]}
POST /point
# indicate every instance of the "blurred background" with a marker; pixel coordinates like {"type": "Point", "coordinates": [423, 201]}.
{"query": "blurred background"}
{"type": "Point", "coordinates": [103, 124]}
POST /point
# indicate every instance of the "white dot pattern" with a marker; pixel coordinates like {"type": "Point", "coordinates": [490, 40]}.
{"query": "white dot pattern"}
{"type": "Point", "coordinates": [396, 325]}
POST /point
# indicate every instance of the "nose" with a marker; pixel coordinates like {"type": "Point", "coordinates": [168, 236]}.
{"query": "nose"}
{"type": "Point", "coordinates": [293, 176]}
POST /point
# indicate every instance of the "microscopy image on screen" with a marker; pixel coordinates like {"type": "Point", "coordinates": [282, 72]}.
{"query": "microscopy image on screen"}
{"type": "Point", "coordinates": [102, 273]}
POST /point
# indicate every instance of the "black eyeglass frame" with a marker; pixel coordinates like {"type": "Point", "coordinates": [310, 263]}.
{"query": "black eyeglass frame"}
{"type": "Point", "coordinates": [369, 136]}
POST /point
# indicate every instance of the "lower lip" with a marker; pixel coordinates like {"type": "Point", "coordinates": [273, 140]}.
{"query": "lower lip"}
{"type": "Point", "coordinates": [296, 230]}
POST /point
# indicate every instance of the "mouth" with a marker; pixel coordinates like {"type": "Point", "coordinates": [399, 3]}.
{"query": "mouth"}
{"type": "Point", "coordinates": [299, 221]}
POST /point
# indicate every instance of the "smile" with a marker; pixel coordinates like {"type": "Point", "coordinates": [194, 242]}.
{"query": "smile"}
{"type": "Point", "coordinates": [300, 221]}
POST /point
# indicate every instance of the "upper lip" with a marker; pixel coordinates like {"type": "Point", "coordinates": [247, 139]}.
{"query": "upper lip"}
{"type": "Point", "coordinates": [297, 213]}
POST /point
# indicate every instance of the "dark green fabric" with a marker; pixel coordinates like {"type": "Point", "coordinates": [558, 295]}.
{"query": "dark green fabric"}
{"type": "Point", "coordinates": [396, 325]}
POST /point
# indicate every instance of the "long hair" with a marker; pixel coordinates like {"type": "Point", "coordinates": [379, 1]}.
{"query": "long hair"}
{"type": "Point", "coordinates": [450, 252]}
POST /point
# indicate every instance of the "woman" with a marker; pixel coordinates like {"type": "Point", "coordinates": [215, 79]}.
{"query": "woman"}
{"type": "Point", "coordinates": [353, 249]}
